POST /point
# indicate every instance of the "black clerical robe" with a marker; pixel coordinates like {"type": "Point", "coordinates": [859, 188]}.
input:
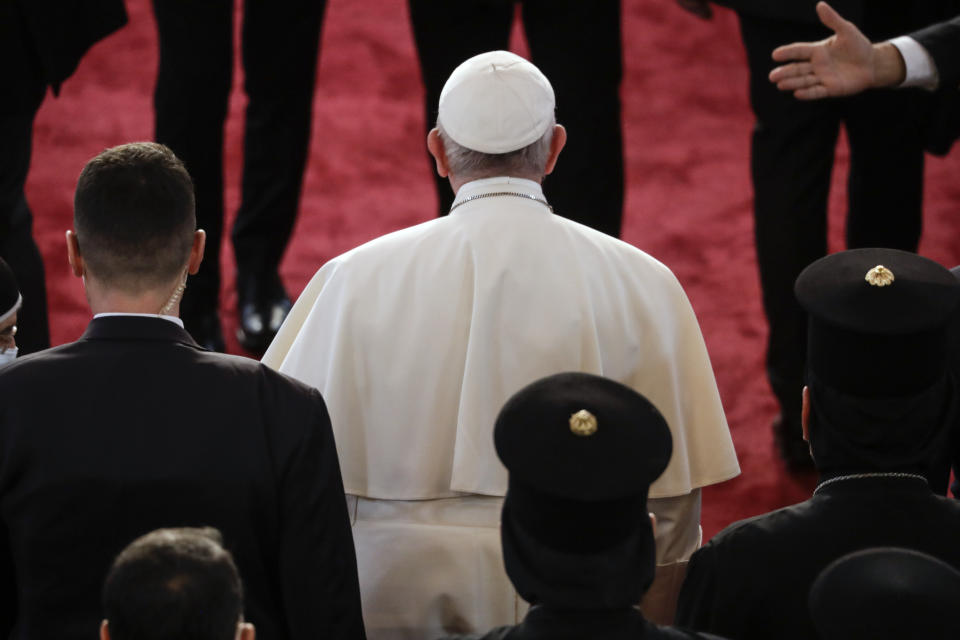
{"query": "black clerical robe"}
{"type": "Point", "coordinates": [752, 579]}
{"type": "Point", "coordinates": [548, 623]}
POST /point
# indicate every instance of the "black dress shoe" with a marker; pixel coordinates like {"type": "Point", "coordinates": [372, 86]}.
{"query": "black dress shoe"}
{"type": "Point", "coordinates": [205, 329]}
{"type": "Point", "coordinates": [262, 305]}
{"type": "Point", "coordinates": [793, 449]}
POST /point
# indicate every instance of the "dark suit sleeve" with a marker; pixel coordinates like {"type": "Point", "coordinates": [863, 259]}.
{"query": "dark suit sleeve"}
{"type": "Point", "coordinates": [63, 32]}
{"type": "Point", "coordinates": [942, 41]}
{"type": "Point", "coordinates": [318, 566]}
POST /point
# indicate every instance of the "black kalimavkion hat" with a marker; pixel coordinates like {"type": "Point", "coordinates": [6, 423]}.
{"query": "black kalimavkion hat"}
{"type": "Point", "coordinates": [877, 320]}
{"type": "Point", "coordinates": [886, 593]}
{"type": "Point", "coordinates": [582, 451]}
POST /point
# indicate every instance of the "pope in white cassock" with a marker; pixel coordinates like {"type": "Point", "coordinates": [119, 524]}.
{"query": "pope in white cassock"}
{"type": "Point", "coordinates": [417, 338]}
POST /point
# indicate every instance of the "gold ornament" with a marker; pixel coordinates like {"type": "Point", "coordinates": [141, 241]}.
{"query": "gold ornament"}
{"type": "Point", "coordinates": [879, 276]}
{"type": "Point", "coordinates": [583, 423]}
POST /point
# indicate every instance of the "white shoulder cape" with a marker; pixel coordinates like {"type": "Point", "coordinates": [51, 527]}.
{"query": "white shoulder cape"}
{"type": "Point", "coordinates": [416, 340]}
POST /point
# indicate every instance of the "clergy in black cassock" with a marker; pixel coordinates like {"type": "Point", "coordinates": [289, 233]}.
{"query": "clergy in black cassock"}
{"type": "Point", "coordinates": [578, 542]}
{"type": "Point", "coordinates": [877, 410]}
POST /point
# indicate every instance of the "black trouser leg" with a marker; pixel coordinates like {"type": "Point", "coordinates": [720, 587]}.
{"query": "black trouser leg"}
{"type": "Point", "coordinates": [884, 129]}
{"type": "Point", "coordinates": [193, 86]}
{"type": "Point", "coordinates": [280, 46]}
{"type": "Point", "coordinates": [577, 45]}
{"type": "Point", "coordinates": [447, 33]}
{"type": "Point", "coordinates": [17, 245]}
{"type": "Point", "coordinates": [791, 161]}
{"type": "Point", "coordinates": [885, 185]}
{"type": "Point", "coordinates": [21, 75]}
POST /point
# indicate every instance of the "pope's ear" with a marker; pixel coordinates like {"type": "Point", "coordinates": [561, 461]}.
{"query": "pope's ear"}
{"type": "Point", "coordinates": [439, 153]}
{"type": "Point", "coordinates": [557, 142]}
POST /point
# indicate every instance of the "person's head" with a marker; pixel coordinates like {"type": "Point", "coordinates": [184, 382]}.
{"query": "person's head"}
{"type": "Point", "coordinates": [135, 223]}
{"type": "Point", "coordinates": [10, 301]}
{"type": "Point", "coordinates": [886, 594]}
{"type": "Point", "coordinates": [496, 118]}
{"type": "Point", "coordinates": [878, 395]}
{"type": "Point", "coordinates": [581, 451]}
{"type": "Point", "coordinates": [174, 584]}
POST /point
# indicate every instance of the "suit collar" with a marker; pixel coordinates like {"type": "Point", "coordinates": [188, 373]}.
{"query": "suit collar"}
{"type": "Point", "coordinates": [137, 328]}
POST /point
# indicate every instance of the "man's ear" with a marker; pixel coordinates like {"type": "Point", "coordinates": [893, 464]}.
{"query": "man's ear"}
{"type": "Point", "coordinates": [556, 146]}
{"type": "Point", "coordinates": [196, 251]}
{"type": "Point", "coordinates": [245, 631]}
{"type": "Point", "coordinates": [104, 630]}
{"type": "Point", "coordinates": [74, 257]}
{"type": "Point", "coordinates": [435, 147]}
{"type": "Point", "coordinates": [805, 413]}
{"type": "Point", "coordinates": [653, 523]}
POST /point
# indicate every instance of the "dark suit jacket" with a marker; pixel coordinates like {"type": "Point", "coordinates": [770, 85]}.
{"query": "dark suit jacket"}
{"type": "Point", "coordinates": [41, 43]}
{"type": "Point", "coordinates": [943, 42]}
{"type": "Point", "coordinates": [912, 14]}
{"type": "Point", "coordinates": [545, 623]}
{"type": "Point", "coordinates": [64, 30]}
{"type": "Point", "coordinates": [135, 427]}
{"type": "Point", "coordinates": [803, 11]}
{"type": "Point", "coordinates": [752, 579]}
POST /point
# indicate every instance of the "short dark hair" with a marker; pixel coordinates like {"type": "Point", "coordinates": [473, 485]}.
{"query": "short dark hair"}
{"type": "Point", "coordinates": [134, 214]}
{"type": "Point", "coordinates": [174, 583]}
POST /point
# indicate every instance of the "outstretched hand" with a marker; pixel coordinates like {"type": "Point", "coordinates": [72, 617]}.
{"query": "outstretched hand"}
{"type": "Point", "coordinates": [841, 65]}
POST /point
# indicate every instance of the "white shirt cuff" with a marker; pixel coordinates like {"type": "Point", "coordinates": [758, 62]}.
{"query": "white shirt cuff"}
{"type": "Point", "coordinates": [921, 69]}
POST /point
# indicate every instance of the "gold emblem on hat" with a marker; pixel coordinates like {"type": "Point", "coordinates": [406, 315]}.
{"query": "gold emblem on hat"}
{"type": "Point", "coordinates": [583, 423]}
{"type": "Point", "coordinates": [879, 276]}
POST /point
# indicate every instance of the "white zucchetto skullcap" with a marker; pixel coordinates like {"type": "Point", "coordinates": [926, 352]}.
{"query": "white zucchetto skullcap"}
{"type": "Point", "coordinates": [496, 102]}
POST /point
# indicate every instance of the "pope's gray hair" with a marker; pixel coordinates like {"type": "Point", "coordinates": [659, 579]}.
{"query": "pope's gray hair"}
{"type": "Point", "coordinates": [527, 162]}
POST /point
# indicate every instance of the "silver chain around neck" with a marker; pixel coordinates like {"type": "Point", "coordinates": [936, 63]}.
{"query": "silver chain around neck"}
{"type": "Point", "coordinates": [501, 193]}
{"type": "Point", "coordinates": [858, 476]}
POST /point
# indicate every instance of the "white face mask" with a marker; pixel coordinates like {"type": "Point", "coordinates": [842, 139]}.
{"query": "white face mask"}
{"type": "Point", "coordinates": [8, 356]}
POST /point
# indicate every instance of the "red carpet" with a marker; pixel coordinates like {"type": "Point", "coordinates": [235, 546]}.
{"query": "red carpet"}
{"type": "Point", "coordinates": [688, 202]}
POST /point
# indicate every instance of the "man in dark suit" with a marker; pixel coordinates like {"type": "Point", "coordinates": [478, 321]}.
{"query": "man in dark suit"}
{"type": "Point", "coordinates": [134, 427]}
{"type": "Point", "coordinates": [791, 165]}
{"type": "Point", "coordinates": [279, 52]}
{"type": "Point", "coordinates": [877, 411]}
{"type": "Point", "coordinates": [942, 42]}
{"type": "Point", "coordinates": [41, 44]}
{"type": "Point", "coordinates": [578, 46]}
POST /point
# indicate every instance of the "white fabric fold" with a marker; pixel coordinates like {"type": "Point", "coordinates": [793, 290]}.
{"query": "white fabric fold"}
{"type": "Point", "coordinates": [417, 338]}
